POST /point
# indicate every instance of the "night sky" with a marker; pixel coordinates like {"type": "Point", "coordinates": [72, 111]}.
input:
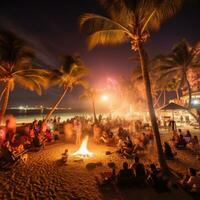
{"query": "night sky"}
{"type": "Point", "coordinates": [52, 29]}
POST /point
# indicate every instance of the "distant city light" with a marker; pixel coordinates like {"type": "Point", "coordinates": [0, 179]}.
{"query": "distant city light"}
{"type": "Point", "coordinates": [21, 107]}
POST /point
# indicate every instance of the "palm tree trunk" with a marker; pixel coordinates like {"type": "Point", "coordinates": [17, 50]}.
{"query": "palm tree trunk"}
{"type": "Point", "coordinates": [56, 104]}
{"type": "Point", "coordinates": [157, 100]}
{"type": "Point", "coordinates": [189, 92]}
{"type": "Point", "coordinates": [146, 79]}
{"type": "Point", "coordinates": [5, 102]}
{"type": "Point", "coordinates": [94, 111]}
{"type": "Point", "coordinates": [177, 94]}
{"type": "Point", "coordinates": [164, 97]}
{"type": "Point", "coordinates": [2, 93]}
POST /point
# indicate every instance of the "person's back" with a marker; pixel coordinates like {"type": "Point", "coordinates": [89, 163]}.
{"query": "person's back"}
{"type": "Point", "coordinates": [153, 177]}
{"type": "Point", "coordinates": [128, 143]}
{"type": "Point", "coordinates": [125, 176]}
{"type": "Point", "coordinates": [138, 168]}
{"type": "Point", "coordinates": [182, 140]}
{"type": "Point", "coordinates": [191, 181]}
{"type": "Point", "coordinates": [194, 181]}
{"type": "Point", "coordinates": [140, 174]}
{"type": "Point", "coordinates": [195, 140]}
{"type": "Point", "coordinates": [188, 134]}
{"type": "Point", "coordinates": [167, 151]}
{"type": "Point", "coordinates": [181, 143]}
{"type": "Point", "coordinates": [125, 173]}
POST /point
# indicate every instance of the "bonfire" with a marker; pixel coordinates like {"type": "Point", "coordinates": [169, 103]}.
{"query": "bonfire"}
{"type": "Point", "coordinates": [83, 150]}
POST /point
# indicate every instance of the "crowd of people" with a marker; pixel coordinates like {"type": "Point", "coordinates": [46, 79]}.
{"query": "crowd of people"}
{"type": "Point", "coordinates": [131, 139]}
{"type": "Point", "coordinates": [180, 140]}
{"type": "Point", "coordinates": [16, 140]}
{"type": "Point", "coordinates": [137, 174]}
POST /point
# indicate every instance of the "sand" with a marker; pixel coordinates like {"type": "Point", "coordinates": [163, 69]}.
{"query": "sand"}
{"type": "Point", "coordinates": [44, 177]}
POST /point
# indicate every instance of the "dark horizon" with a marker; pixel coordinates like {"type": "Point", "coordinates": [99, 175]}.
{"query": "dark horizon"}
{"type": "Point", "coordinates": [52, 29]}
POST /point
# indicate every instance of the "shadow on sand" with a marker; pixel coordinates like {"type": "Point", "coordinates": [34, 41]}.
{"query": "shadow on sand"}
{"type": "Point", "coordinates": [113, 192]}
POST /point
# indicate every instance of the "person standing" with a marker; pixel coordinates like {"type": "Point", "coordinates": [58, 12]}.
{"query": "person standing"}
{"type": "Point", "coordinates": [78, 132]}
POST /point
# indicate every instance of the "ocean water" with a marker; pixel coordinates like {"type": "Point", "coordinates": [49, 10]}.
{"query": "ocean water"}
{"type": "Point", "coordinates": [23, 116]}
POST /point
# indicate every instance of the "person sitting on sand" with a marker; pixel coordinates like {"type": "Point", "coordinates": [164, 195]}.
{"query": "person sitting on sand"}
{"type": "Point", "coordinates": [26, 140]}
{"type": "Point", "coordinates": [107, 138]}
{"type": "Point", "coordinates": [6, 151]}
{"type": "Point", "coordinates": [2, 136]}
{"type": "Point", "coordinates": [180, 132]}
{"type": "Point", "coordinates": [122, 133]}
{"type": "Point", "coordinates": [127, 148]}
{"type": "Point", "coordinates": [139, 171]}
{"type": "Point", "coordinates": [48, 135]}
{"type": "Point", "coordinates": [125, 176]}
{"type": "Point", "coordinates": [106, 178]}
{"type": "Point", "coordinates": [175, 136]}
{"type": "Point", "coordinates": [194, 144]}
{"type": "Point", "coordinates": [111, 138]}
{"type": "Point", "coordinates": [191, 182]}
{"type": "Point", "coordinates": [145, 140]}
{"type": "Point", "coordinates": [157, 180]}
{"type": "Point", "coordinates": [187, 136]}
{"type": "Point", "coordinates": [65, 156]}
{"type": "Point", "coordinates": [168, 151]}
{"type": "Point", "coordinates": [120, 144]}
{"type": "Point", "coordinates": [104, 137]}
{"type": "Point", "coordinates": [38, 140]}
{"type": "Point", "coordinates": [35, 126]}
{"type": "Point", "coordinates": [181, 143]}
{"type": "Point", "coordinates": [56, 134]}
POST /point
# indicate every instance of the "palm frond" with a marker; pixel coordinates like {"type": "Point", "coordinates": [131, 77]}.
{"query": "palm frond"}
{"type": "Point", "coordinates": [28, 83]}
{"type": "Point", "coordinates": [102, 30]}
{"type": "Point", "coordinates": [71, 72]}
{"type": "Point", "coordinates": [91, 23]}
{"type": "Point", "coordinates": [163, 11]}
{"type": "Point", "coordinates": [82, 83]}
{"type": "Point", "coordinates": [106, 37]}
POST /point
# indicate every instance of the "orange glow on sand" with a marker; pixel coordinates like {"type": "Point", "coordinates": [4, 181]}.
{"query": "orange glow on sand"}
{"type": "Point", "coordinates": [83, 150]}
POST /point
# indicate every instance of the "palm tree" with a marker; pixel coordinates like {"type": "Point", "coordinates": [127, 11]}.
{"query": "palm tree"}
{"type": "Point", "coordinates": [90, 94]}
{"type": "Point", "coordinates": [16, 67]}
{"type": "Point", "coordinates": [173, 85]}
{"type": "Point", "coordinates": [167, 84]}
{"type": "Point", "coordinates": [70, 74]}
{"type": "Point", "coordinates": [131, 21]}
{"type": "Point", "coordinates": [178, 63]}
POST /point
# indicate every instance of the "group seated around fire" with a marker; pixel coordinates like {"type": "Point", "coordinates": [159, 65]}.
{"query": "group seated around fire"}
{"type": "Point", "coordinates": [137, 175]}
{"type": "Point", "coordinates": [15, 141]}
{"type": "Point", "coordinates": [191, 181]}
{"type": "Point", "coordinates": [180, 140]}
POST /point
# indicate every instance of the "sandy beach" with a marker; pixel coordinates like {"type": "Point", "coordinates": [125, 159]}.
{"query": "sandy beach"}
{"type": "Point", "coordinates": [44, 177]}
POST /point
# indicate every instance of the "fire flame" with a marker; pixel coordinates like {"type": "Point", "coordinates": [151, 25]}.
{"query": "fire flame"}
{"type": "Point", "coordinates": [83, 150]}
